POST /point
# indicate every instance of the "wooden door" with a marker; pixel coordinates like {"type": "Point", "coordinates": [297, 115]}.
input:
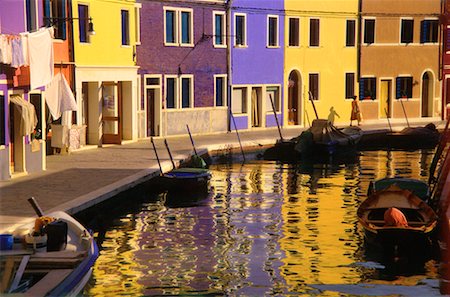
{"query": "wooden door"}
{"type": "Point", "coordinates": [151, 112]}
{"type": "Point", "coordinates": [385, 99]}
{"type": "Point", "coordinates": [111, 112]}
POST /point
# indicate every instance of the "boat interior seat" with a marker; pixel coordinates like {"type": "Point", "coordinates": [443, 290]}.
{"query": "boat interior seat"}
{"type": "Point", "coordinates": [413, 217]}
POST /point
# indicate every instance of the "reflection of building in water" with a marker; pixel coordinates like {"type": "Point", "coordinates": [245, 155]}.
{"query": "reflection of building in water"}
{"type": "Point", "coordinates": [318, 228]}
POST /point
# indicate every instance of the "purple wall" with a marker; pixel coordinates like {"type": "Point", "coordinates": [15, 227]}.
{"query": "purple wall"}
{"type": "Point", "coordinates": [257, 64]}
{"type": "Point", "coordinates": [203, 60]}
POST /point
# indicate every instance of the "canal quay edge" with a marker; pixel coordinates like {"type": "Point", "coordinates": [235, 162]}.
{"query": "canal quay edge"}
{"type": "Point", "coordinates": [210, 145]}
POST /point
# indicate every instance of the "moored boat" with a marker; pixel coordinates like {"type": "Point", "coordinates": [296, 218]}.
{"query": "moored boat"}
{"type": "Point", "coordinates": [417, 187]}
{"type": "Point", "coordinates": [56, 261]}
{"type": "Point", "coordinates": [186, 179]}
{"type": "Point", "coordinates": [420, 218]}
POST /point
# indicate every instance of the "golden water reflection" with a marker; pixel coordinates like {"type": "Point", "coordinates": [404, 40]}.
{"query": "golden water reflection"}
{"type": "Point", "coordinates": [265, 229]}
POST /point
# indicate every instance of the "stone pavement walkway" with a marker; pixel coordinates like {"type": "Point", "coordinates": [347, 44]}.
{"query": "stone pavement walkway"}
{"type": "Point", "coordinates": [76, 181]}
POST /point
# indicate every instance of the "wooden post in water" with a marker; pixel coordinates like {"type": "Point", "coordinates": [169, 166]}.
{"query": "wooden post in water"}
{"type": "Point", "coordinates": [237, 133]}
{"type": "Point", "coordinates": [156, 154]}
{"type": "Point", "coordinates": [311, 98]}
{"type": "Point", "coordinates": [192, 140]}
{"type": "Point", "coordinates": [276, 118]}
{"type": "Point", "coordinates": [170, 154]}
{"type": "Point", "coordinates": [404, 112]}
{"type": "Point", "coordinates": [387, 117]}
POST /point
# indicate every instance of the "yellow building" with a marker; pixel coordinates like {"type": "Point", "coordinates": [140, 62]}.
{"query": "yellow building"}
{"type": "Point", "coordinates": [105, 37]}
{"type": "Point", "coordinates": [320, 59]}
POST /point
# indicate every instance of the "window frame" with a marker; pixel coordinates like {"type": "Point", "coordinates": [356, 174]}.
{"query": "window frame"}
{"type": "Point", "coordinates": [191, 27]}
{"type": "Point", "coordinates": [424, 35]}
{"type": "Point", "coordinates": [175, 92]}
{"type": "Point", "coordinates": [83, 22]}
{"type": "Point", "coordinates": [224, 29]}
{"type": "Point", "coordinates": [350, 40]}
{"type": "Point", "coordinates": [244, 88]}
{"type": "Point", "coordinates": [276, 32]}
{"type": "Point", "coordinates": [314, 90]}
{"type": "Point", "coordinates": [289, 32]}
{"type": "Point", "coordinates": [373, 32]}
{"type": "Point", "coordinates": [137, 22]}
{"type": "Point", "coordinates": [125, 27]}
{"type": "Point", "coordinates": [244, 41]}
{"type": "Point", "coordinates": [2, 119]}
{"type": "Point", "coordinates": [404, 34]}
{"type": "Point", "coordinates": [54, 14]}
{"type": "Point", "coordinates": [311, 35]}
{"type": "Point", "coordinates": [191, 90]}
{"type": "Point", "coordinates": [407, 82]}
{"type": "Point", "coordinates": [277, 100]}
{"type": "Point", "coordinates": [31, 15]}
{"type": "Point", "coordinates": [350, 85]}
{"type": "Point", "coordinates": [174, 27]}
{"type": "Point", "coordinates": [362, 86]}
{"type": "Point", "coordinates": [224, 91]}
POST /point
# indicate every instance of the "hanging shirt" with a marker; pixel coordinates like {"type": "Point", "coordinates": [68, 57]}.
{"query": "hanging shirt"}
{"type": "Point", "coordinates": [17, 53]}
{"type": "Point", "coordinates": [59, 96]}
{"type": "Point", "coordinates": [24, 38]}
{"type": "Point", "coordinates": [40, 51]}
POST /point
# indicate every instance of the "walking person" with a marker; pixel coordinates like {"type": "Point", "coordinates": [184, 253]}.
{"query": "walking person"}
{"type": "Point", "coordinates": [356, 111]}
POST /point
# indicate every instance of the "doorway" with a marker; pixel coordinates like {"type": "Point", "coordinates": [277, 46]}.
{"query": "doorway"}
{"type": "Point", "coordinates": [112, 112]}
{"type": "Point", "coordinates": [151, 114]}
{"type": "Point", "coordinates": [256, 107]}
{"type": "Point", "coordinates": [293, 98]}
{"type": "Point", "coordinates": [16, 140]}
{"type": "Point", "coordinates": [385, 98]}
{"type": "Point", "coordinates": [427, 95]}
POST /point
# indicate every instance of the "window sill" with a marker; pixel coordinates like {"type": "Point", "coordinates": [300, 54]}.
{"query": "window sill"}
{"type": "Point", "coordinates": [239, 114]}
{"type": "Point", "coordinates": [186, 45]}
{"type": "Point", "coordinates": [240, 46]}
{"type": "Point", "coordinates": [273, 46]}
{"type": "Point", "coordinates": [293, 46]}
{"type": "Point", "coordinates": [125, 46]}
{"type": "Point", "coordinates": [220, 45]}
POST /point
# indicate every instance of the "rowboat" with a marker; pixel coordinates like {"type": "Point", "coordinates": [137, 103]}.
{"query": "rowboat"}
{"type": "Point", "coordinates": [324, 139]}
{"type": "Point", "coordinates": [53, 263]}
{"type": "Point", "coordinates": [420, 217]}
{"type": "Point", "coordinates": [417, 187]}
{"type": "Point", "coordinates": [185, 179]}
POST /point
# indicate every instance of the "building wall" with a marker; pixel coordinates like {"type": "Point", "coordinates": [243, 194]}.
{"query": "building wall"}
{"type": "Point", "coordinates": [387, 58]}
{"type": "Point", "coordinates": [331, 59]}
{"type": "Point", "coordinates": [202, 60]}
{"type": "Point", "coordinates": [256, 65]}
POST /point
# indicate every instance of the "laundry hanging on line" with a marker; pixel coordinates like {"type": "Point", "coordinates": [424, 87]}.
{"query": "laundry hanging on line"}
{"type": "Point", "coordinates": [59, 96]}
{"type": "Point", "coordinates": [28, 119]}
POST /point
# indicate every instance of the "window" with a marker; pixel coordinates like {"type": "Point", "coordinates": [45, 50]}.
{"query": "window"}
{"type": "Point", "coordinates": [137, 21]}
{"type": "Point", "coordinates": [152, 81]}
{"type": "Point", "coordinates": [294, 32]}
{"type": "Point", "coordinates": [31, 11]}
{"type": "Point", "coordinates": [220, 90]}
{"type": "Point", "coordinates": [407, 31]}
{"type": "Point", "coordinates": [178, 27]}
{"type": "Point", "coordinates": [369, 31]}
{"type": "Point", "coordinates": [368, 88]}
{"type": "Point", "coordinates": [36, 100]}
{"type": "Point", "coordinates": [171, 92]}
{"type": "Point", "coordinates": [54, 14]}
{"type": "Point", "coordinates": [2, 120]}
{"type": "Point", "coordinates": [240, 30]}
{"type": "Point", "coordinates": [314, 86]}
{"type": "Point", "coordinates": [404, 87]}
{"type": "Point", "coordinates": [429, 31]}
{"type": "Point", "coordinates": [272, 31]}
{"type": "Point", "coordinates": [274, 93]}
{"type": "Point", "coordinates": [239, 100]}
{"type": "Point", "coordinates": [186, 29]}
{"type": "Point", "coordinates": [186, 92]}
{"type": "Point", "coordinates": [83, 20]}
{"type": "Point", "coordinates": [171, 26]}
{"type": "Point", "coordinates": [314, 32]}
{"type": "Point", "coordinates": [219, 28]}
{"type": "Point", "coordinates": [349, 85]}
{"type": "Point", "coordinates": [350, 36]}
{"type": "Point", "coordinates": [125, 27]}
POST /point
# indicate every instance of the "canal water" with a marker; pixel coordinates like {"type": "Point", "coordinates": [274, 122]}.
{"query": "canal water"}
{"type": "Point", "coordinates": [265, 228]}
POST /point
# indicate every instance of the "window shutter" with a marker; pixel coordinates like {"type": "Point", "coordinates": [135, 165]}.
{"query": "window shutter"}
{"type": "Point", "coordinates": [361, 88]}
{"type": "Point", "coordinates": [47, 14]}
{"type": "Point", "coordinates": [398, 84]}
{"type": "Point", "coordinates": [423, 31]}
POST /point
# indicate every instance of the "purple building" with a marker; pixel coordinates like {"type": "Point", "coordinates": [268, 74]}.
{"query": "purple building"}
{"type": "Point", "coordinates": [257, 62]}
{"type": "Point", "coordinates": [183, 67]}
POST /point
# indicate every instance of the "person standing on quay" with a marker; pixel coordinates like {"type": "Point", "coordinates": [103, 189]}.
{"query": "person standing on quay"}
{"type": "Point", "coordinates": [356, 111]}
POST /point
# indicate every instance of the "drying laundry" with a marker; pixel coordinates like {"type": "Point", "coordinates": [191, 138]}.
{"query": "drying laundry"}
{"type": "Point", "coordinates": [28, 120]}
{"type": "Point", "coordinates": [59, 96]}
{"type": "Point", "coordinates": [40, 52]}
{"type": "Point", "coordinates": [17, 53]}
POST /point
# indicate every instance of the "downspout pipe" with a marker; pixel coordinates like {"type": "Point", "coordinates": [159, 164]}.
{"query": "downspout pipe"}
{"type": "Point", "coordinates": [358, 42]}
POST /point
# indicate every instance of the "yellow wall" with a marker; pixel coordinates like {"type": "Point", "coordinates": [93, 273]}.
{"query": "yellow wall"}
{"type": "Point", "coordinates": [105, 47]}
{"type": "Point", "coordinates": [332, 59]}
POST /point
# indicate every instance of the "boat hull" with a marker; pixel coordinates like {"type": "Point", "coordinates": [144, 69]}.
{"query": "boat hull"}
{"type": "Point", "coordinates": [185, 180]}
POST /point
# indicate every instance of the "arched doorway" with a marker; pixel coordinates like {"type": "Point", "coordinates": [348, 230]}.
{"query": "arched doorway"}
{"type": "Point", "coordinates": [427, 94]}
{"type": "Point", "coordinates": [294, 103]}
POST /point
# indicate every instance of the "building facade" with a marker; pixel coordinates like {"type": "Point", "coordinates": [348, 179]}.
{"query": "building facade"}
{"type": "Point", "coordinates": [399, 58]}
{"type": "Point", "coordinates": [445, 58]}
{"type": "Point", "coordinates": [256, 63]}
{"type": "Point", "coordinates": [105, 69]}
{"type": "Point", "coordinates": [183, 67]}
{"type": "Point", "coordinates": [320, 60]}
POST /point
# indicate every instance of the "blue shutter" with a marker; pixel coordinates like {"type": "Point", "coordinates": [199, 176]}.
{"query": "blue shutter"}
{"type": "Point", "coordinates": [361, 88]}
{"type": "Point", "coordinates": [47, 14]}
{"type": "Point", "coordinates": [398, 90]}
{"type": "Point", "coordinates": [424, 33]}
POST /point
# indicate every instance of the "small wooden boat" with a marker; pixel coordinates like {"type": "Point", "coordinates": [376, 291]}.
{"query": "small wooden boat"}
{"type": "Point", "coordinates": [186, 179]}
{"type": "Point", "coordinates": [421, 219]}
{"type": "Point", "coordinates": [417, 187]}
{"type": "Point", "coordinates": [324, 138]}
{"type": "Point", "coordinates": [53, 263]}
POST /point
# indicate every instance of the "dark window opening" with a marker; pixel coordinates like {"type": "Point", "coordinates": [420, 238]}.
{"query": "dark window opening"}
{"type": "Point", "coordinates": [404, 87]}
{"type": "Point", "coordinates": [368, 88]}
{"type": "Point", "coordinates": [294, 27]}
{"type": "Point", "coordinates": [314, 85]}
{"type": "Point", "coordinates": [350, 36]}
{"type": "Point", "coordinates": [407, 31]}
{"type": "Point", "coordinates": [349, 85]}
{"type": "Point", "coordinates": [314, 29]}
{"type": "Point", "coordinates": [369, 31]}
